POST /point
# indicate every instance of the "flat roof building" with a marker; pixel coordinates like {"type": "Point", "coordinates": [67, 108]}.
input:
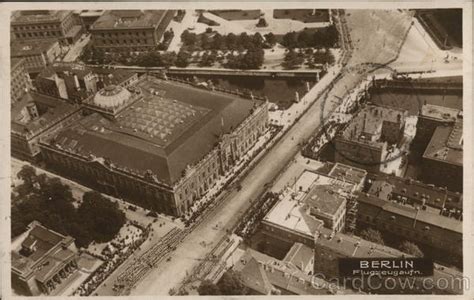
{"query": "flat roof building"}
{"type": "Point", "coordinates": [60, 25]}
{"type": "Point", "coordinates": [130, 30]}
{"type": "Point", "coordinates": [416, 224]}
{"type": "Point", "coordinates": [41, 260]}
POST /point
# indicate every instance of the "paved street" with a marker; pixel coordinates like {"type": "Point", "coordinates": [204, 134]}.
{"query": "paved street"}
{"type": "Point", "coordinates": [170, 274]}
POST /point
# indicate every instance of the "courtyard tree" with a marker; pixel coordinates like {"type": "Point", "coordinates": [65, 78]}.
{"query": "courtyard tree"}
{"type": "Point", "coordinates": [372, 235]}
{"type": "Point", "coordinates": [411, 248]}
{"type": "Point", "coordinates": [270, 38]}
{"type": "Point", "coordinates": [101, 217]}
{"type": "Point", "coordinates": [183, 59]}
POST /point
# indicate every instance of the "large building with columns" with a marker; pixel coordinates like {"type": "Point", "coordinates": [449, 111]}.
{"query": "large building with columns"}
{"type": "Point", "coordinates": [41, 260]}
{"type": "Point", "coordinates": [159, 144]}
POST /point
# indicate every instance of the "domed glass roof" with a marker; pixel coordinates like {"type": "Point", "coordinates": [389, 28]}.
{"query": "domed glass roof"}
{"type": "Point", "coordinates": [111, 96]}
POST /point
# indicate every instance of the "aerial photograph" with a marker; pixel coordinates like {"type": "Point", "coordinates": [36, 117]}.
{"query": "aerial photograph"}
{"type": "Point", "coordinates": [272, 151]}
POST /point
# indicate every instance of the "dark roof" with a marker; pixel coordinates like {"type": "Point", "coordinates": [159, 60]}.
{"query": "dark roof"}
{"type": "Point", "coordinates": [381, 189]}
{"type": "Point", "coordinates": [22, 48]}
{"type": "Point", "coordinates": [324, 199]}
{"type": "Point", "coordinates": [261, 273]}
{"type": "Point", "coordinates": [254, 277]}
{"type": "Point", "coordinates": [348, 173]}
{"type": "Point", "coordinates": [15, 61]}
{"type": "Point", "coordinates": [299, 255]}
{"type": "Point", "coordinates": [187, 143]}
{"type": "Point", "coordinates": [352, 246]}
{"type": "Point", "coordinates": [446, 144]}
{"type": "Point", "coordinates": [46, 251]}
{"type": "Point", "coordinates": [39, 16]}
{"type": "Point", "coordinates": [417, 190]}
{"type": "Point", "coordinates": [129, 19]}
{"type": "Point", "coordinates": [408, 216]}
{"type": "Point", "coordinates": [52, 110]}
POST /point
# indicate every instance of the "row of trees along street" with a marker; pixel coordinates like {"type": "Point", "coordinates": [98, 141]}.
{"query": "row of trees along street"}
{"type": "Point", "coordinates": [50, 202]}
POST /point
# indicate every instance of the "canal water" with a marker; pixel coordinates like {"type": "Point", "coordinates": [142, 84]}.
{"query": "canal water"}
{"type": "Point", "coordinates": [281, 91]}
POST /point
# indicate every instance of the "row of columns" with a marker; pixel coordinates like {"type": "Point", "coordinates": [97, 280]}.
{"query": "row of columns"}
{"type": "Point", "coordinates": [57, 278]}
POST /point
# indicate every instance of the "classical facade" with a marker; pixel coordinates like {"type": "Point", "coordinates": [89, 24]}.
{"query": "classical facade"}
{"type": "Point", "coordinates": [130, 30]}
{"type": "Point", "coordinates": [45, 24]}
{"type": "Point", "coordinates": [41, 260]}
{"type": "Point", "coordinates": [154, 145]}
{"type": "Point", "coordinates": [20, 82]}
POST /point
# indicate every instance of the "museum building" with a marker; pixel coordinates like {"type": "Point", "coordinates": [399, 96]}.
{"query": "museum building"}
{"type": "Point", "coordinates": [159, 144]}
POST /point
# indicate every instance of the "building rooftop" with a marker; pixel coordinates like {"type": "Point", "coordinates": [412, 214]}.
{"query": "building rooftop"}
{"type": "Point", "coordinates": [38, 16]}
{"type": "Point", "coordinates": [51, 111]}
{"type": "Point", "coordinates": [434, 196]}
{"type": "Point", "coordinates": [91, 13]}
{"type": "Point", "coordinates": [15, 61]}
{"type": "Point", "coordinates": [324, 200]}
{"type": "Point", "coordinates": [389, 211]}
{"type": "Point", "coordinates": [38, 242]}
{"type": "Point", "coordinates": [170, 126]}
{"type": "Point", "coordinates": [381, 189]}
{"type": "Point", "coordinates": [348, 173]}
{"type": "Point", "coordinates": [352, 246]}
{"type": "Point", "coordinates": [439, 113]}
{"type": "Point", "coordinates": [310, 192]}
{"type": "Point", "coordinates": [366, 126]}
{"type": "Point", "coordinates": [446, 144]}
{"type": "Point", "coordinates": [22, 48]}
{"type": "Point", "coordinates": [129, 19]}
{"type": "Point", "coordinates": [265, 274]}
{"type": "Point", "coordinates": [300, 256]}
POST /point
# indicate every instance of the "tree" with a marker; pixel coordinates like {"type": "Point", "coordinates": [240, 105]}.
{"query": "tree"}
{"type": "Point", "coordinates": [231, 284]}
{"type": "Point", "coordinates": [208, 288]}
{"type": "Point", "coordinates": [411, 248]}
{"type": "Point", "coordinates": [182, 59]}
{"type": "Point", "coordinates": [50, 202]}
{"type": "Point", "coordinates": [372, 235]}
{"type": "Point", "coordinates": [167, 59]}
{"type": "Point", "coordinates": [231, 41]}
{"type": "Point", "coordinates": [218, 41]}
{"type": "Point", "coordinates": [101, 217]}
{"type": "Point", "coordinates": [290, 40]}
{"type": "Point", "coordinates": [207, 59]}
{"type": "Point", "coordinates": [189, 38]}
{"type": "Point", "coordinates": [262, 23]}
{"type": "Point", "coordinates": [292, 59]}
{"type": "Point", "coordinates": [270, 39]}
{"type": "Point", "coordinates": [27, 174]}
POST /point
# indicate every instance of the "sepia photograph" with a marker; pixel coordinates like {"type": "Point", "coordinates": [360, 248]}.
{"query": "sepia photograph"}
{"type": "Point", "coordinates": [233, 150]}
